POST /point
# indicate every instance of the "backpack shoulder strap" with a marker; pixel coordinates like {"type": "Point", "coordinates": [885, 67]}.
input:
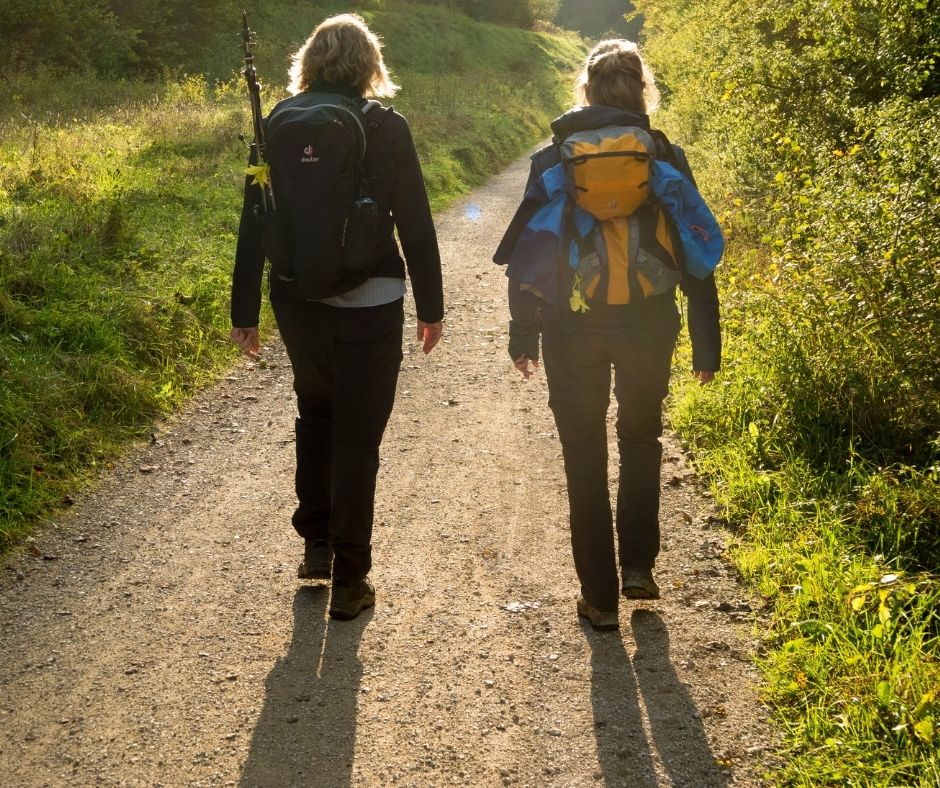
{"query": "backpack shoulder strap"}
{"type": "Point", "coordinates": [375, 114]}
{"type": "Point", "coordinates": [664, 148]}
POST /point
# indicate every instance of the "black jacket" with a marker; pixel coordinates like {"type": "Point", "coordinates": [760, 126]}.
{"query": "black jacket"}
{"type": "Point", "coordinates": [645, 318]}
{"type": "Point", "coordinates": [392, 164]}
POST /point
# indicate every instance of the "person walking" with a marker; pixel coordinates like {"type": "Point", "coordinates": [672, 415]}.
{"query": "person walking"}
{"type": "Point", "coordinates": [636, 339]}
{"type": "Point", "coordinates": [345, 349]}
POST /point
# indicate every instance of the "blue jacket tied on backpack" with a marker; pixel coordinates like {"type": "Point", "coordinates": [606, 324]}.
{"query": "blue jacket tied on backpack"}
{"type": "Point", "coordinates": [533, 258]}
{"type": "Point", "coordinates": [699, 234]}
{"type": "Point", "coordinates": [532, 249]}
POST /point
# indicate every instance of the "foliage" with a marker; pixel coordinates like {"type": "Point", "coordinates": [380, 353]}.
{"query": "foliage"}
{"type": "Point", "coordinates": [813, 128]}
{"type": "Point", "coordinates": [600, 18]}
{"type": "Point", "coordinates": [119, 203]}
{"type": "Point", "coordinates": [132, 38]}
{"type": "Point", "coordinates": [114, 37]}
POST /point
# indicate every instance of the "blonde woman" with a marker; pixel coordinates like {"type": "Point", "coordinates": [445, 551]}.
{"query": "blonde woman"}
{"type": "Point", "coordinates": [345, 348]}
{"type": "Point", "coordinates": [636, 339]}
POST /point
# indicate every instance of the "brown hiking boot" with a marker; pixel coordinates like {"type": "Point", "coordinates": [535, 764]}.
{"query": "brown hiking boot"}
{"type": "Point", "coordinates": [601, 620]}
{"type": "Point", "coordinates": [318, 561]}
{"type": "Point", "coordinates": [639, 584]}
{"type": "Point", "coordinates": [348, 601]}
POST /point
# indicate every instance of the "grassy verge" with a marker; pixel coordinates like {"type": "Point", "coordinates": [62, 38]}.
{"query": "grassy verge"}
{"type": "Point", "coordinates": [118, 213]}
{"type": "Point", "coordinates": [812, 132]}
{"type": "Point", "coordinates": [851, 667]}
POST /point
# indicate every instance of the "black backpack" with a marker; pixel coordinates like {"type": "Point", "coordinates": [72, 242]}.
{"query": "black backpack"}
{"type": "Point", "coordinates": [326, 233]}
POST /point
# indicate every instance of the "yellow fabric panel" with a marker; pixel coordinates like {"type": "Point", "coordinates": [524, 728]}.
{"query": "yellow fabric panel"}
{"type": "Point", "coordinates": [624, 142]}
{"type": "Point", "coordinates": [664, 236]}
{"type": "Point", "coordinates": [611, 186]}
{"type": "Point", "coordinates": [616, 240]}
{"type": "Point", "coordinates": [591, 289]}
{"type": "Point", "coordinates": [645, 284]}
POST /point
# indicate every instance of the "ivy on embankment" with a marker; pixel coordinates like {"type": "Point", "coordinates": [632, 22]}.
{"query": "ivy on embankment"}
{"type": "Point", "coordinates": [813, 128]}
{"type": "Point", "coordinates": [119, 203]}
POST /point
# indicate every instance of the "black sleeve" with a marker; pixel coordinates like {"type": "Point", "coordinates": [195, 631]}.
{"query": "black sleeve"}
{"type": "Point", "coordinates": [702, 295]}
{"type": "Point", "coordinates": [704, 315]}
{"type": "Point", "coordinates": [541, 161]}
{"type": "Point", "coordinates": [412, 214]}
{"type": "Point", "coordinates": [523, 323]}
{"type": "Point", "coordinates": [682, 164]}
{"type": "Point", "coordinates": [249, 262]}
{"type": "Point", "coordinates": [704, 325]}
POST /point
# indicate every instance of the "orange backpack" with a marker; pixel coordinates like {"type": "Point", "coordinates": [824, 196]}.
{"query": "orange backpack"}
{"type": "Point", "coordinates": [630, 252]}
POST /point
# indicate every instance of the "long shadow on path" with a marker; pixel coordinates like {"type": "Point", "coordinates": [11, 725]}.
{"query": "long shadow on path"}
{"type": "Point", "coordinates": [676, 725]}
{"type": "Point", "coordinates": [622, 748]}
{"type": "Point", "coordinates": [306, 732]}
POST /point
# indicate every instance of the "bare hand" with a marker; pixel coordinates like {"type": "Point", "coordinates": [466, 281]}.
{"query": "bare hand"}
{"type": "Point", "coordinates": [429, 334]}
{"type": "Point", "coordinates": [247, 340]}
{"type": "Point", "coordinates": [704, 377]}
{"type": "Point", "coordinates": [522, 364]}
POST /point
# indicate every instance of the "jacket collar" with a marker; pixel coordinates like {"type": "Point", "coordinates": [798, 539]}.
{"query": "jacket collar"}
{"type": "Point", "coordinates": [596, 117]}
{"type": "Point", "coordinates": [320, 86]}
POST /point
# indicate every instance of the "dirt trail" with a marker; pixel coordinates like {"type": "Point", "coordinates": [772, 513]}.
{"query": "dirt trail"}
{"type": "Point", "coordinates": [155, 634]}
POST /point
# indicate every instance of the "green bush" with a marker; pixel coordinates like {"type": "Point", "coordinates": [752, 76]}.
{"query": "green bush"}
{"type": "Point", "coordinates": [813, 129]}
{"type": "Point", "coordinates": [149, 38]}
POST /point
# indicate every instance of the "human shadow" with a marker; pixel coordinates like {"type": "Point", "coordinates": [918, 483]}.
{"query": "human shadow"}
{"type": "Point", "coordinates": [675, 723]}
{"type": "Point", "coordinates": [622, 749]}
{"type": "Point", "coordinates": [306, 732]}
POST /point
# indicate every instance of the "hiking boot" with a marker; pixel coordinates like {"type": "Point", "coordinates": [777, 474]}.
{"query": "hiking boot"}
{"type": "Point", "coordinates": [600, 619]}
{"type": "Point", "coordinates": [639, 584]}
{"type": "Point", "coordinates": [318, 561]}
{"type": "Point", "coordinates": [348, 601]}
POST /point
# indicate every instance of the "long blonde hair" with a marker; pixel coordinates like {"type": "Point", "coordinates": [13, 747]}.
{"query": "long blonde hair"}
{"type": "Point", "coordinates": [615, 75]}
{"type": "Point", "coordinates": [342, 51]}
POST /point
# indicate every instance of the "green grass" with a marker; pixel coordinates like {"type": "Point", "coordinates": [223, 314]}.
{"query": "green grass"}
{"type": "Point", "coordinates": [119, 205]}
{"type": "Point", "coordinates": [812, 131]}
{"type": "Point", "coordinates": [852, 652]}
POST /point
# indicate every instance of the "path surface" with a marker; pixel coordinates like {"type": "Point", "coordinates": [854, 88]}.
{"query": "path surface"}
{"type": "Point", "coordinates": [156, 634]}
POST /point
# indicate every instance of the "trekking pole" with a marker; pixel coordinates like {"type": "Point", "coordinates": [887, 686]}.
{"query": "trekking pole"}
{"type": "Point", "coordinates": [260, 170]}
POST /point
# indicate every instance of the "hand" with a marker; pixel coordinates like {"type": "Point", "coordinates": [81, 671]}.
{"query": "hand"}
{"type": "Point", "coordinates": [522, 364]}
{"type": "Point", "coordinates": [247, 340]}
{"type": "Point", "coordinates": [703, 377]}
{"type": "Point", "coordinates": [429, 334]}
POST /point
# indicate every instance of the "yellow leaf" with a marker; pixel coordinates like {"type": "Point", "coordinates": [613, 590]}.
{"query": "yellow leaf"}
{"type": "Point", "coordinates": [858, 602]}
{"type": "Point", "coordinates": [884, 614]}
{"type": "Point", "coordinates": [923, 730]}
{"type": "Point", "coordinates": [261, 174]}
{"type": "Point", "coordinates": [925, 703]}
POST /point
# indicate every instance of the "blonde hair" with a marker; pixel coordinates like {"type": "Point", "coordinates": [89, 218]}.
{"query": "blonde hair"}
{"type": "Point", "coordinates": [615, 75]}
{"type": "Point", "coordinates": [342, 51]}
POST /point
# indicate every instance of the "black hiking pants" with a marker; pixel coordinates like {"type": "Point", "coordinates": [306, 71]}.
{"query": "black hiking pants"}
{"type": "Point", "coordinates": [346, 363]}
{"type": "Point", "coordinates": [578, 369]}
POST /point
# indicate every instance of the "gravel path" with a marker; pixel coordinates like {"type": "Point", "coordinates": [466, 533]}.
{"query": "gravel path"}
{"type": "Point", "coordinates": [156, 634]}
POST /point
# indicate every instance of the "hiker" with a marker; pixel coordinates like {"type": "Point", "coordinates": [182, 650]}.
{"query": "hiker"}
{"type": "Point", "coordinates": [634, 330]}
{"type": "Point", "coordinates": [345, 348]}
